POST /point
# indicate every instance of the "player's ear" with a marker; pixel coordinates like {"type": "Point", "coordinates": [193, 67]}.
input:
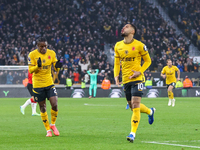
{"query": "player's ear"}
{"type": "Point", "coordinates": [133, 31]}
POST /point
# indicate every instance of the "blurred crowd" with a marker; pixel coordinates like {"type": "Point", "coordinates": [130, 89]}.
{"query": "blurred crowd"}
{"type": "Point", "coordinates": [77, 31]}
{"type": "Point", "coordinates": [186, 13]}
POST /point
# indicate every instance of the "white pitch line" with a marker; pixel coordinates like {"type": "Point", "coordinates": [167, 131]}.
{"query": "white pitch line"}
{"type": "Point", "coordinates": [98, 105]}
{"type": "Point", "coordinates": [153, 142]}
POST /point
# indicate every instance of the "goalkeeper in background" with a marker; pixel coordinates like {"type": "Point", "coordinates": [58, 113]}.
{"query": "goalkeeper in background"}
{"type": "Point", "coordinates": [93, 82]}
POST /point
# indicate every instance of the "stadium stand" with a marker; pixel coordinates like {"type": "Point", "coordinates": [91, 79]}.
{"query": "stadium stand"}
{"type": "Point", "coordinates": [186, 14]}
{"type": "Point", "coordinates": [78, 30]}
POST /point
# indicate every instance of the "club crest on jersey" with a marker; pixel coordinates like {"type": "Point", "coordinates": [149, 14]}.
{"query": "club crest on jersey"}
{"type": "Point", "coordinates": [126, 52]}
{"type": "Point", "coordinates": [49, 57]}
{"type": "Point", "coordinates": [145, 48]}
{"type": "Point", "coordinates": [43, 61]}
{"type": "Point", "coordinates": [133, 48]}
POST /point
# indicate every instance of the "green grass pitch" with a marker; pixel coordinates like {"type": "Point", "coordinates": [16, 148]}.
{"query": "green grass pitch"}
{"type": "Point", "coordinates": [101, 124]}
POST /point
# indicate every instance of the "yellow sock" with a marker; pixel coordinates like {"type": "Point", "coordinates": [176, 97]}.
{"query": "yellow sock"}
{"type": "Point", "coordinates": [172, 95]}
{"type": "Point", "coordinates": [169, 94]}
{"type": "Point", "coordinates": [144, 109]}
{"type": "Point", "coordinates": [135, 119]}
{"type": "Point", "coordinates": [45, 120]}
{"type": "Point", "coordinates": [53, 116]}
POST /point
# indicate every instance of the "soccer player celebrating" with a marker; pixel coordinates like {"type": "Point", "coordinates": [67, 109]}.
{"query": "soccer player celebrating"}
{"type": "Point", "coordinates": [31, 100]}
{"type": "Point", "coordinates": [40, 61]}
{"type": "Point", "coordinates": [168, 72]}
{"type": "Point", "coordinates": [93, 82]}
{"type": "Point", "coordinates": [130, 51]}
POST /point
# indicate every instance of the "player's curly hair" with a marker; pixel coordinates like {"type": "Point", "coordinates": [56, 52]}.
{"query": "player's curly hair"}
{"type": "Point", "coordinates": [135, 28]}
{"type": "Point", "coordinates": [41, 39]}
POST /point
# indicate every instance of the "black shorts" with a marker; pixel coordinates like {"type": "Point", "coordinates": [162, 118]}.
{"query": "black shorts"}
{"type": "Point", "coordinates": [133, 89]}
{"type": "Point", "coordinates": [40, 94]}
{"type": "Point", "coordinates": [30, 89]}
{"type": "Point", "coordinates": [172, 84]}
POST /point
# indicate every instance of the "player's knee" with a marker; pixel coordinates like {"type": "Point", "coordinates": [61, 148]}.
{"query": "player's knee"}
{"type": "Point", "coordinates": [43, 109]}
{"type": "Point", "coordinates": [54, 107]}
{"type": "Point", "coordinates": [169, 90]}
{"type": "Point", "coordinates": [135, 105]}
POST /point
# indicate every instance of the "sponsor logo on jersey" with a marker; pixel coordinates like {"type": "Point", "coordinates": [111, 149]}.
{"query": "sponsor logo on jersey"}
{"type": "Point", "coordinates": [49, 57]}
{"type": "Point", "coordinates": [127, 59]}
{"type": "Point", "coordinates": [126, 52]}
{"type": "Point", "coordinates": [133, 48]}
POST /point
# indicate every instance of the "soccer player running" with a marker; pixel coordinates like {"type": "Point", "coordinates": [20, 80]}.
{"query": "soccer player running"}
{"type": "Point", "coordinates": [40, 61]}
{"type": "Point", "coordinates": [93, 82]}
{"type": "Point", "coordinates": [30, 100]}
{"type": "Point", "coordinates": [130, 51]}
{"type": "Point", "coordinates": [168, 72]}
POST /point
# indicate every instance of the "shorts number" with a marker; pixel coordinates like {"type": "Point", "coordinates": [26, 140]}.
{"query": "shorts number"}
{"type": "Point", "coordinates": [54, 89]}
{"type": "Point", "coordinates": [140, 86]}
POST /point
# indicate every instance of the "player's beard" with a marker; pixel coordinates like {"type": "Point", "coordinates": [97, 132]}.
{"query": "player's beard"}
{"type": "Point", "coordinates": [124, 34]}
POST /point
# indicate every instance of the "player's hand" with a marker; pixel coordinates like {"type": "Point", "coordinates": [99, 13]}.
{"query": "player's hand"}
{"type": "Point", "coordinates": [178, 79]}
{"type": "Point", "coordinates": [39, 62]}
{"type": "Point", "coordinates": [164, 76]}
{"type": "Point", "coordinates": [117, 80]}
{"type": "Point", "coordinates": [58, 64]}
{"type": "Point", "coordinates": [135, 74]}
